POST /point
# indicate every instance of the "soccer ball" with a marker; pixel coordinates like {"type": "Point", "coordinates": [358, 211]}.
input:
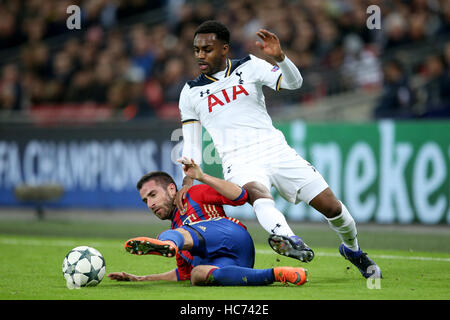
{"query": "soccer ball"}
{"type": "Point", "coordinates": [83, 267]}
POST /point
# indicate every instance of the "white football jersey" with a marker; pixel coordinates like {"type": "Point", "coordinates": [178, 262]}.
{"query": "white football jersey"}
{"type": "Point", "coordinates": [230, 105]}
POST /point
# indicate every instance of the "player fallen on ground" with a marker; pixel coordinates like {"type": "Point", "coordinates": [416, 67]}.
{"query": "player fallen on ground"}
{"type": "Point", "coordinates": [210, 248]}
{"type": "Point", "coordinates": [228, 101]}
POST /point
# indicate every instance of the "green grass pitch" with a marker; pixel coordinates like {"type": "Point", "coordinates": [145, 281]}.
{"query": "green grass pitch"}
{"type": "Point", "coordinates": [415, 264]}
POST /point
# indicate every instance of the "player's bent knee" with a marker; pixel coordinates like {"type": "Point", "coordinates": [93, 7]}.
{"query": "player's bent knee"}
{"type": "Point", "coordinates": [200, 275]}
{"type": "Point", "coordinates": [256, 190]}
{"type": "Point", "coordinates": [332, 209]}
{"type": "Point", "coordinates": [327, 204]}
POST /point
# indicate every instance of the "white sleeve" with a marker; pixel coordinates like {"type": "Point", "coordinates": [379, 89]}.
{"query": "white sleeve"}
{"type": "Point", "coordinates": [291, 77]}
{"type": "Point", "coordinates": [285, 75]}
{"type": "Point", "coordinates": [192, 141]}
{"type": "Point", "coordinates": [191, 127]}
{"type": "Point", "coordinates": [187, 112]}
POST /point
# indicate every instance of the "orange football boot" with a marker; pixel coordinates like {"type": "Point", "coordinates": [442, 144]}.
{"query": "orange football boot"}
{"type": "Point", "coordinates": [297, 276]}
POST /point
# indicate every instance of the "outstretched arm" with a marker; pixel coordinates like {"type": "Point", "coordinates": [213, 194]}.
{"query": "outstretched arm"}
{"type": "Point", "coordinates": [228, 189]}
{"type": "Point", "coordinates": [123, 276]}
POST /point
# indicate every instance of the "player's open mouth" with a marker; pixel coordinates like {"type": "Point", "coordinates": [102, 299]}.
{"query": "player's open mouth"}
{"type": "Point", "coordinates": [203, 66]}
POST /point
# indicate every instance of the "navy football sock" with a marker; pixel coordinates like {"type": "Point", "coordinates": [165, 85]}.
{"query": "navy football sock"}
{"type": "Point", "coordinates": [240, 276]}
{"type": "Point", "coordinates": [174, 236]}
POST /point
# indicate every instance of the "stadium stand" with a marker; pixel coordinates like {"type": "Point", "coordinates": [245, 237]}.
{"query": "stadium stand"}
{"type": "Point", "coordinates": [130, 59]}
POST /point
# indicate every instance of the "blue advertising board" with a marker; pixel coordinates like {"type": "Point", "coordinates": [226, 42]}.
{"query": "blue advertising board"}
{"type": "Point", "coordinates": [98, 166]}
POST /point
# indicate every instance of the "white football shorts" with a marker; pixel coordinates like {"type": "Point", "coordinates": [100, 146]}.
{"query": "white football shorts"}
{"type": "Point", "coordinates": [293, 177]}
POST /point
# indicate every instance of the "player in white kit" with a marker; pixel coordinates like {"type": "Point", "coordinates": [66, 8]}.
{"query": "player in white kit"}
{"type": "Point", "coordinates": [228, 101]}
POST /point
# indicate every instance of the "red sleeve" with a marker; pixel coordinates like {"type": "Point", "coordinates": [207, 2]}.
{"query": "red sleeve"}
{"type": "Point", "coordinates": [184, 267]}
{"type": "Point", "coordinates": [209, 195]}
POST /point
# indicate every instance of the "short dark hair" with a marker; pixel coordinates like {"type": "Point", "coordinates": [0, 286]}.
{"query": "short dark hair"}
{"type": "Point", "coordinates": [161, 177]}
{"type": "Point", "coordinates": [216, 27]}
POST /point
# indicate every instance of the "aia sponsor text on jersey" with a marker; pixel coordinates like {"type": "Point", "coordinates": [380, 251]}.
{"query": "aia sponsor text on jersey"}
{"type": "Point", "coordinates": [225, 96]}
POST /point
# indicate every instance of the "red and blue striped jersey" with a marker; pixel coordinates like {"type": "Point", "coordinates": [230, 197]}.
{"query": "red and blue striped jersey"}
{"type": "Point", "coordinates": [202, 202]}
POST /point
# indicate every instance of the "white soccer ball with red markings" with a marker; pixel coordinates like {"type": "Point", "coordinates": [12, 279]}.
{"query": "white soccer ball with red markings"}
{"type": "Point", "coordinates": [83, 267]}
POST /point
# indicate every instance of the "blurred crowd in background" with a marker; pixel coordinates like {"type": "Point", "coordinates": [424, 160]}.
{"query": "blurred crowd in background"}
{"type": "Point", "coordinates": [134, 56]}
